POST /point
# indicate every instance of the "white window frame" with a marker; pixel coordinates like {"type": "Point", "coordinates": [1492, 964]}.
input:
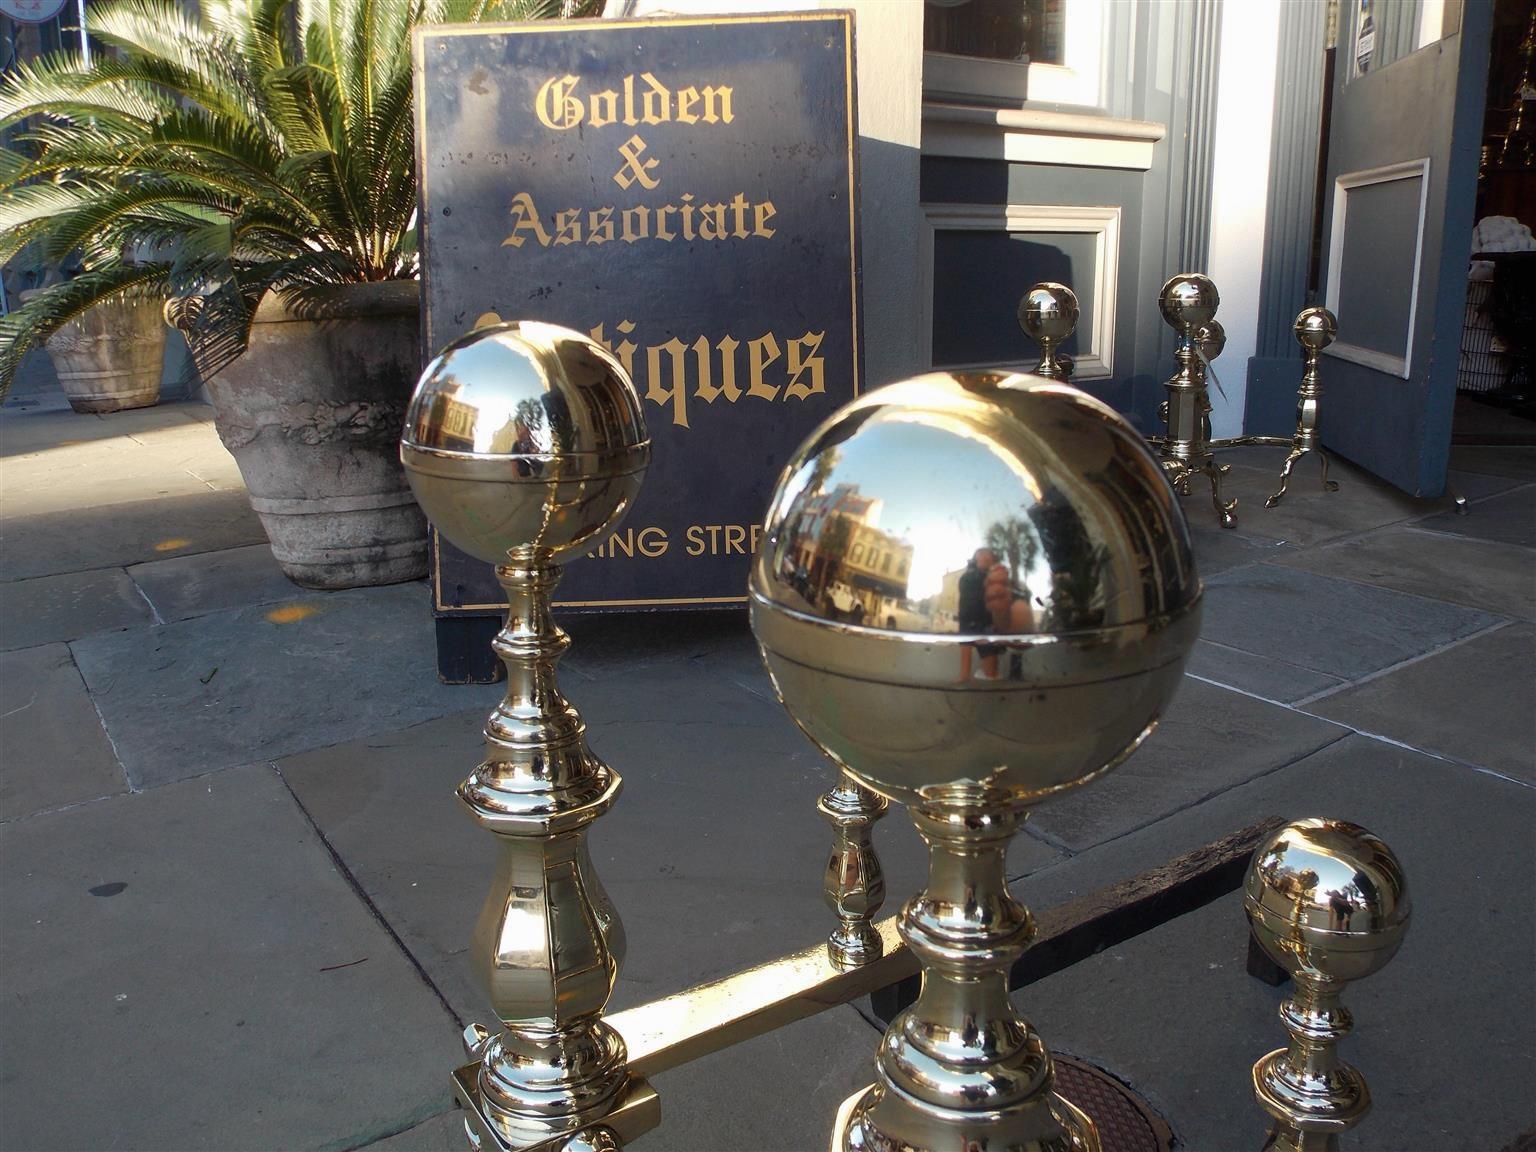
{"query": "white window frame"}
{"type": "Point", "coordinates": [1079, 82]}
{"type": "Point", "coordinates": [1095, 359]}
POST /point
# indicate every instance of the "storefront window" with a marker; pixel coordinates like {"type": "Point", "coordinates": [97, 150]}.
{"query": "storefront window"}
{"type": "Point", "coordinates": [1033, 30]}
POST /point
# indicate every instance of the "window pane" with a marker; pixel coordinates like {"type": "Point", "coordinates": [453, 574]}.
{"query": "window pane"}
{"type": "Point", "coordinates": [997, 29]}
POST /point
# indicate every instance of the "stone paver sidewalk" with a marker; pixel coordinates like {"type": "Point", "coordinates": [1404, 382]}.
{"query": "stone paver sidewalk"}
{"type": "Point", "coordinates": [236, 891]}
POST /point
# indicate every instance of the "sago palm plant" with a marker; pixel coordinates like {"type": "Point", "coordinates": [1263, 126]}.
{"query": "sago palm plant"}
{"type": "Point", "coordinates": [208, 159]}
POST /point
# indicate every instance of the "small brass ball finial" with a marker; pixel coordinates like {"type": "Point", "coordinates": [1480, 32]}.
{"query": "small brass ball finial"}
{"type": "Point", "coordinates": [1048, 315]}
{"type": "Point", "coordinates": [1212, 339]}
{"type": "Point", "coordinates": [1315, 328]}
{"type": "Point", "coordinates": [1188, 299]}
{"type": "Point", "coordinates": [1048, 311]}
{"type": "Point", "coordinates": [1328, 902]}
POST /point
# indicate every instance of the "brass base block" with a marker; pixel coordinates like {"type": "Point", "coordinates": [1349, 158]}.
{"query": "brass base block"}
{"type": "Point", "coordinates": [1124, 1122]}
{"type": "Point", "coordinates": [636, 1114]}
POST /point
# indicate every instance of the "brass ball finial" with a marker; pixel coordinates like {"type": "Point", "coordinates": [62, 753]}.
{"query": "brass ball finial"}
{"type": "Point", "coordinates": [1328, 902]}
{"type": "Point", "coordinates": [524, 436]}
{"type": "Point", "coordinates": [1188, 299]}
{"type": "Point", "coordinates": [1048, 311]}
{"type": "Point", "coordinates": [1315, 328]}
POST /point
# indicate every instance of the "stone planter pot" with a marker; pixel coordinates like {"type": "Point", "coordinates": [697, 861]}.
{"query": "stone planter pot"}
{"type": "Point", "coordinates": [111, 357]}
{"type": "Point", "coordinates": [312, 413]}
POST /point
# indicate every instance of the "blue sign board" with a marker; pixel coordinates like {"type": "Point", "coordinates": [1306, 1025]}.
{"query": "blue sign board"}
{"type": "Point", "coordinates": [683, 190]}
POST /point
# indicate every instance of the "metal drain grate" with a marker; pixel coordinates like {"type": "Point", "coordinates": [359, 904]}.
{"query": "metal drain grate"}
{"type": "Point", "coordinates": [1125, 1121]}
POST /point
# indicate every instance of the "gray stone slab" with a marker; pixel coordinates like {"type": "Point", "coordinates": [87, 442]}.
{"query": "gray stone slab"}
{"type": "Point", "coordinates": [116, 535]}
{"type": "Point", "coordinates": [1219, 549]}
{"type": "Point", "coordinates": [777, 1093]}
{"type": "Point", "coordinates": [1507, 519]}
{"type": "Point", "coordinates": [25, 432]}
{"type": "Point", "coordinates": [1210, 741]}
{"type": "Point", "coordinates": [1498, 578]}
{"type": "Point", "coordinates": [1343, 629]}
{"type": "Point", "coordinates": [1173, 1013]}
{"type": "Point", "coordinates": [69, 605]}
{"type": "Point", "coordinates": [1307, 514]}
{"type": "Point", "coordinates": [1495, 460]}
{"type": "Point", "coordinates": [443, 1133]}
{"type": "Point", "coordinates": [187, 586]}
{"type": "Point", "coordinates": [1472, 702]}
{"type": "Point", "coordinates": [53, 751]}
{"type": "Point", "coordinates": [218, 982]}
{"type": "Point", "coordinates": [1270, 677]}
{"type": "Point", "coordinates": [267, 681]}
{"type": "Point", "coordinates": [713, 853]}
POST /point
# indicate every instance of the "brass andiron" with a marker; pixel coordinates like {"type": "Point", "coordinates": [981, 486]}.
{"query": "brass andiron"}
{"type": "Point", "coordinates": [1052, 521]}
{"type": "Point", "coordinates": [854, 884]}
{"type": "Point", "coordinates": [523, 443]}
{"type": "Point", "coordinates": [1188, 303]}
{"type": "Point", "coordinates": [1315, 329]}
{"type": "Point", "coordinates": [1048, 315]}
{"type": "Point", "coordinates": [1327, 901]}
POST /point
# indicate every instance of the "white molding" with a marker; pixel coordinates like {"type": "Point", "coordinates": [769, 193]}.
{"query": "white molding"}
{"type": "Point", "coordinates": [1034, 136]}
{"type": "Point", "coordinates": [1096, 358]}
{"type": "Point", "coordinates": [1407, 170]}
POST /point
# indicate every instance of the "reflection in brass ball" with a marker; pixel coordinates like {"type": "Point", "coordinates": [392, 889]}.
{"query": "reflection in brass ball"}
{"type": "Point", "coordinates": [524, 436]}
{"type": "Point", "coordinates": [1327, 899]}
{"type": "Point", "coordinates": [975, 588]}
{"type": "Point", "coordinates": [1212, 338]}
{"type": "Point", "coordinates": [1189, 298]}
{"type": "Point", "coordinates": [1315, 328]}
{"type": "Point", "coordinates": [1048, 311]}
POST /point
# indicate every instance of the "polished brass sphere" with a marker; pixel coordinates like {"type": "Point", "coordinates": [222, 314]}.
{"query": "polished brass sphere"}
{"type": "Point", "coordinates": [1212, 338]}
{"type": "Point", "coordinates": [1315, 328]}
{"type": "Point", "coordinates": [1326, 899]}
{"type": "Point", "coordinates": [524, 438]}
{"type": "Point", "coordinates": [975, 588]}
{"type": "Point", "coordinates": [1189, 298]}
{"type": "Point", "coordinates": [1048, 311]}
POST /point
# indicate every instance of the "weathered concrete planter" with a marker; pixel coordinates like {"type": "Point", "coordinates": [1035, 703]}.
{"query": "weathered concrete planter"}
{"type": "Point", "coordinates": [312, 413]}
{"type": "Point", "coordinates": [110, 358]}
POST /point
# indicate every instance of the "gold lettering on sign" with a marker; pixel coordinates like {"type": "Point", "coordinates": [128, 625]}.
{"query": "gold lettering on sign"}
{"type": "Point", "coordinates": [640, 100]}
{"type": "Point", "coordinates": [675, 371]}
{"type": "Point", "coordinates": [739, 219]}
{"type": "Point", "coordinates": [635, 169]}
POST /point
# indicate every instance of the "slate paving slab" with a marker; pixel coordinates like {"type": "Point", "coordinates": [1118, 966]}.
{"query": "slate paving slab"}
{"type": "Point", "coordinates": [39, 431]}
{"type": "Point", "coordinates": [213, 691]}
{"type": "Point", "coordinates": [69, 605]}
{"type": "Point", "coordinates": [1270, 678]}
{"type": "Point", "coordinates": [1339, 628]}
{"type": "Point", "coordinates": [1172, 1012]}
{"type": "Point", "coordinates": [187, 586]}
{"type": "Point", "coordinates": [1507, 519]}
{"type": "Point", "coordinates": [1499, 578]}
{"type": "Point", "coordinates": [53, 751]}
{"type": "Point", "coordinates": [1495, 460]}
{"type": "Point", "coordinates": [1209, 741]}
{"type": "Point", "coordinates": [713, 853]}
{"type": "Point", "coordinates": [116, 535]}
{"type": "Point", "coordinates": [193, 959]}
{"type": "Point", "coordinates": [1472, 702]}
{"type": "Point", "coordinates": [1307, 514]}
